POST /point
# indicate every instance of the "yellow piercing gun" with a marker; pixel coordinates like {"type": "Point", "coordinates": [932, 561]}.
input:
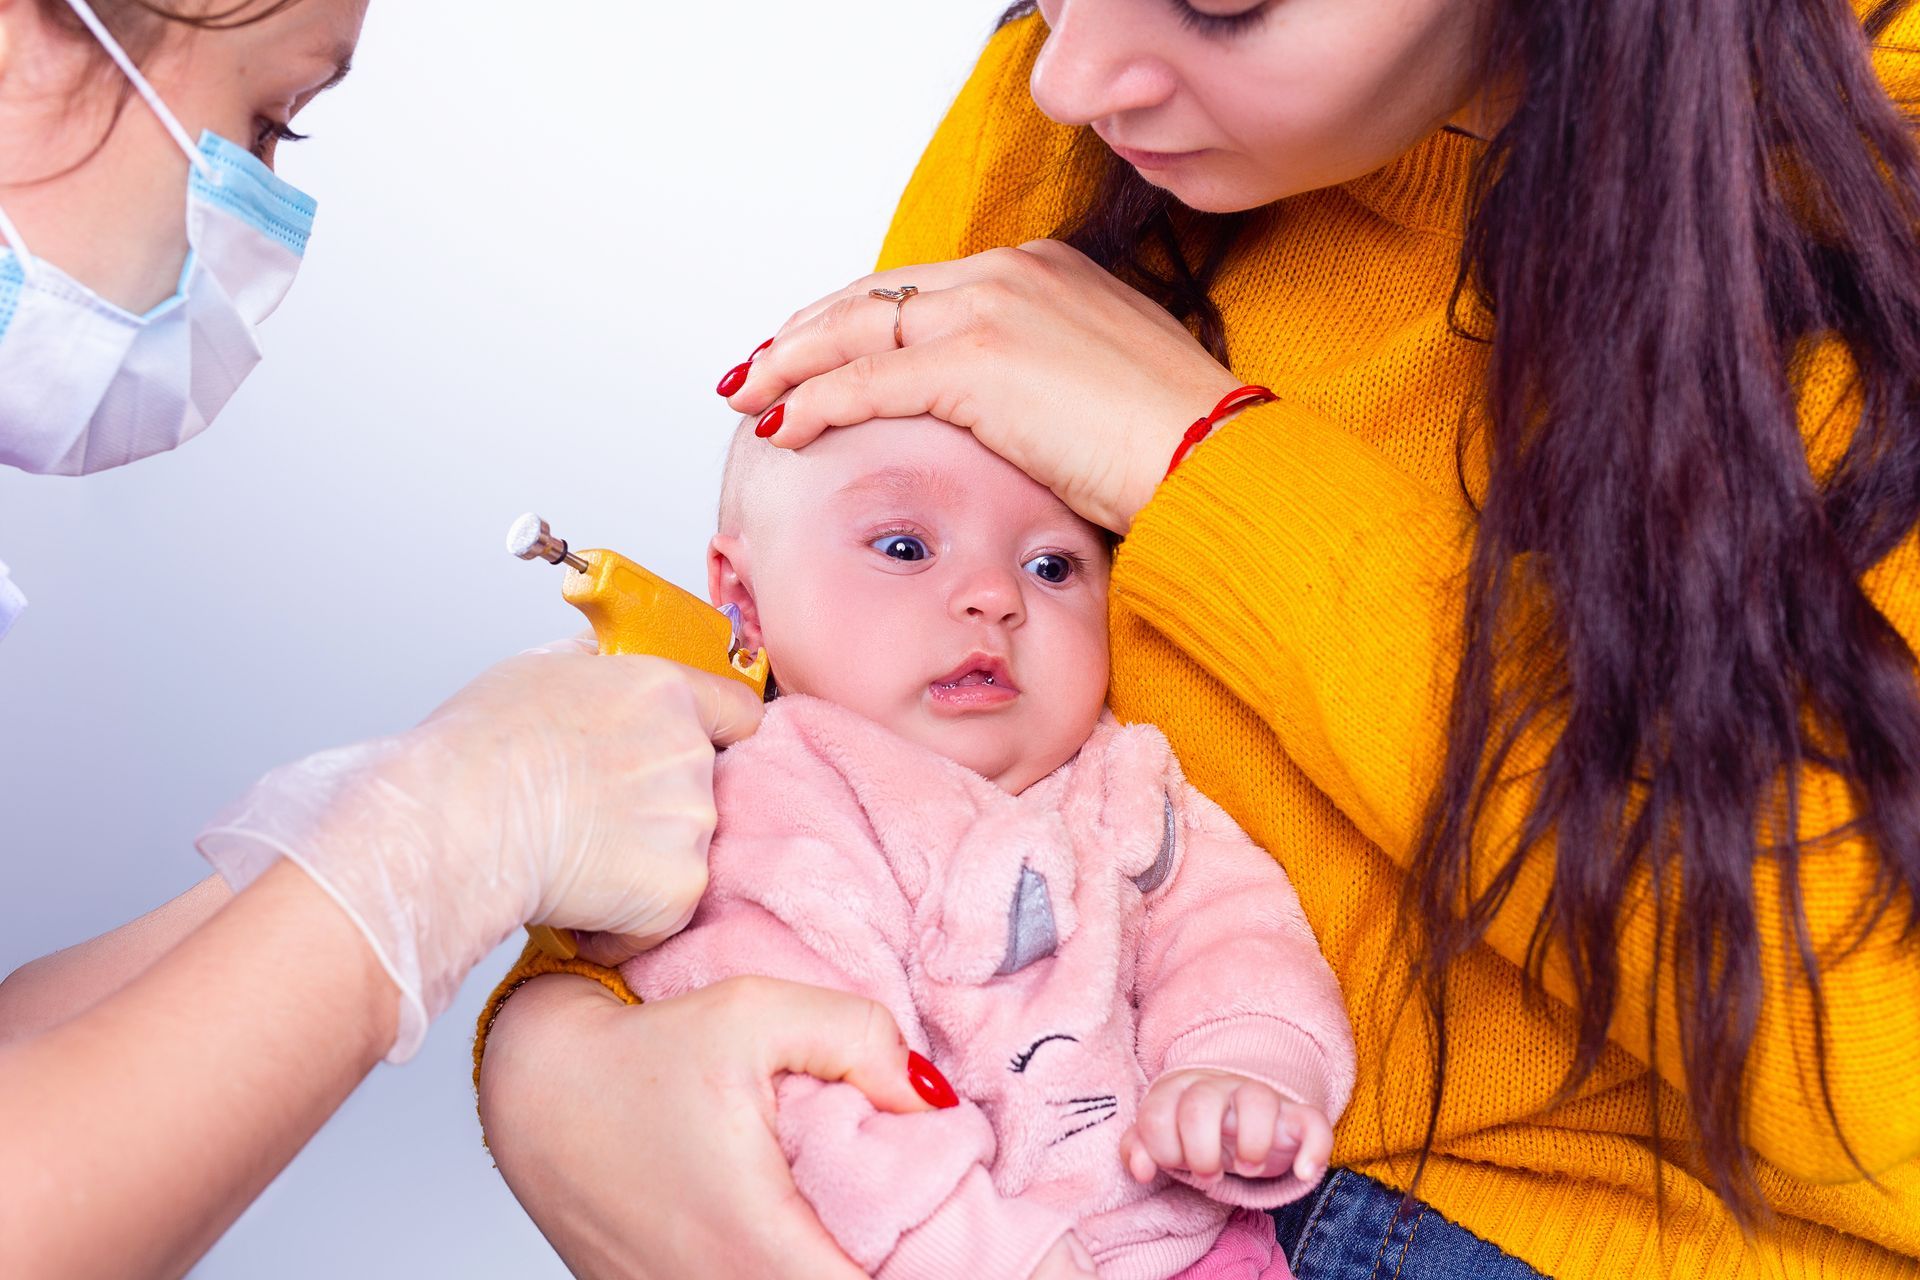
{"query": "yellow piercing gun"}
{"type": "Point", "coordinates": [633, 610]}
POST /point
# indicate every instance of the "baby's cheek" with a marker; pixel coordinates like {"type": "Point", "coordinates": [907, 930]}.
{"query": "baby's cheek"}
{"type": "Point", "coordinates": [1075, 694]}
{"type": "Point", "coordinates": [825, 644]}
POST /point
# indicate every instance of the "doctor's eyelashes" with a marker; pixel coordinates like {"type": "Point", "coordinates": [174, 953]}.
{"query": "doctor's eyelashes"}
{"type": "Point", "coordinates": [269, 133]}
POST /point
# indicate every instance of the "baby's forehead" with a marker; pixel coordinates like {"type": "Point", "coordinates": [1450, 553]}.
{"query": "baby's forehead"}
{"type": "Point", "coordinates": [901, 451]}
{"type": "Point", "coordinates": [899, 460]}
{"type": "Point", "coordinates": [902, 480]}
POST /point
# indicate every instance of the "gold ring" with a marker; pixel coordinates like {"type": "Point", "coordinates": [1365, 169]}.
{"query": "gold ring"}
{"type": "Point", "coordinates": [898, 297]}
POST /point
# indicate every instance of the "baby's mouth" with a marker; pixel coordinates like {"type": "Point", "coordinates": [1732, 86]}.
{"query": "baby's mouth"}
{"type": "Point", "coordinates": [980, 671]}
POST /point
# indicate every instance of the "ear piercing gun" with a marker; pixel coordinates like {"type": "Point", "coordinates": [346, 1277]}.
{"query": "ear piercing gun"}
{"type": "Point", "coordinates": [633, 610]}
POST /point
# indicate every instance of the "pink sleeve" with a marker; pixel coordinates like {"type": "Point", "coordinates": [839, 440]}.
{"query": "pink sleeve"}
{"type": "Point", "coordinates": [1231, 977]}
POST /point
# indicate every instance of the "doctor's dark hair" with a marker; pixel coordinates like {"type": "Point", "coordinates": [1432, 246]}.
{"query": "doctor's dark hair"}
{"type": "Point", "coordinates": [139, 26]}
{"type": "Point", "coordinates": [1687, 198]}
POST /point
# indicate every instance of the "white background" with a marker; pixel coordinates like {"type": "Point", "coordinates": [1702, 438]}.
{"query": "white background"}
{"type": "Point", "coordinates": [545, 231]}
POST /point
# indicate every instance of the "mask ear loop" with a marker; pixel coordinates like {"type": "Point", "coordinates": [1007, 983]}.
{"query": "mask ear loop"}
{"type": "Point", "coordinates": [168, 120]}
{"type": "Point", "coordinates": [29, 265]}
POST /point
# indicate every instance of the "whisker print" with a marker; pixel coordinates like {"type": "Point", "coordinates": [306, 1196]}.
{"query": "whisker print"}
{"type": "Point", "coordinates": [1082, 1129]}
{"type": "Point", "coordinates": [1101, 1106]}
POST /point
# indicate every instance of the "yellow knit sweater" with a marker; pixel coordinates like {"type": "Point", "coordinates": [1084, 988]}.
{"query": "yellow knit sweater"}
{"type": "Point", "coordinates": [1285, 610]}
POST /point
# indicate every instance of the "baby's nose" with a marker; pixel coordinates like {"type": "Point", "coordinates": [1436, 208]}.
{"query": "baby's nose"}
{"type": "Point", "coordinates": [991, 596]}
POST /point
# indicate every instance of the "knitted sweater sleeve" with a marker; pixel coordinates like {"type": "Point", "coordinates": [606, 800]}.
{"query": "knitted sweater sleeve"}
{"type": "Point", "coordinates": [1322, 586]}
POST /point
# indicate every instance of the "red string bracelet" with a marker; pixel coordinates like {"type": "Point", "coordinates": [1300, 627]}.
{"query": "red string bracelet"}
{"type": "Point", "coordinates": [1234, 401]}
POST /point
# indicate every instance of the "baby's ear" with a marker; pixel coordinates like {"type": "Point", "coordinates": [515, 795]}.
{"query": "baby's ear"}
{"type": "Point", "coordinates": [729, 583]}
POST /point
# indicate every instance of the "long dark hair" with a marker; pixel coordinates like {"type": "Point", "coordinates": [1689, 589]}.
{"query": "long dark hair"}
{"type": "Point", "coordinates": [1687, 196]}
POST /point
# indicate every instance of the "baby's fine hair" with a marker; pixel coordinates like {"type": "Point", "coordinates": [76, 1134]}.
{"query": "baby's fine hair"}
{"type": "Point", "coordinates": [747, 457]}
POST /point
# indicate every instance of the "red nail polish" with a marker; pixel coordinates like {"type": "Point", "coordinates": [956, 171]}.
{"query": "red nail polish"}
{"type": "Point", "coordinates": [929, 1083]}
{"type": "Point", "coordinates": [735, 379]}
{"type": "Point", "coordinates": [757, 350]}
{"type": "Point", "coordinates": [770, 423]}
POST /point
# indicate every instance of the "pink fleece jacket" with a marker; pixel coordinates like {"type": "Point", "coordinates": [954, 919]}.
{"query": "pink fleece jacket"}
{"type": "Point", "coordinates": [1052, 952]}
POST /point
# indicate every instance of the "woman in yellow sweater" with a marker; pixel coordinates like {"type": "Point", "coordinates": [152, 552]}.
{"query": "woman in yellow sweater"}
{"type": "Point", "coordinates": [1556, 630]}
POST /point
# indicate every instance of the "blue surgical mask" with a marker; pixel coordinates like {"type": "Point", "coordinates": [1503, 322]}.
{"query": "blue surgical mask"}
{"type": "Point", "coordinates": [86, 385]}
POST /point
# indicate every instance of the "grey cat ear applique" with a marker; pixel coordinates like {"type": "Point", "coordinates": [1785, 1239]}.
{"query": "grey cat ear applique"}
{"type": "Point", "coordinates": [1156, 875]}
{"type": "Point", "coordinates": [1031, 932]}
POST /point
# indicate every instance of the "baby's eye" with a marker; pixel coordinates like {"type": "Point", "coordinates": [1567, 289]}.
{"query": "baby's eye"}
{"type": "Point", "coordinates": [900, 546]}
{"type": "Point", "coordinates": [1051, 567]}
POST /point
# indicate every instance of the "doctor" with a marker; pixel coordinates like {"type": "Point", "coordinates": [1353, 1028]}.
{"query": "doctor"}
{"type": "Point", "coordinates": [154, 1080]}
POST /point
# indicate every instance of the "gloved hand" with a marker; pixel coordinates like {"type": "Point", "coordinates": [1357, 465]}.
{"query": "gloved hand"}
{"type": "Point", "coordinates": [558, 788]}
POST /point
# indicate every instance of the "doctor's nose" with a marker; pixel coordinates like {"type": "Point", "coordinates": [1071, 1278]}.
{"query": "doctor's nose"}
{"type": "Point", "coordinates": [989, 595]}
{"type": "Point", "coordinates": [1093, 67]}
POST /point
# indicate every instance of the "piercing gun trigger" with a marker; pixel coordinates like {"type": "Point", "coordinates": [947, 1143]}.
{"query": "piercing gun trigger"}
{"type": "Point", "coordinates": [633, 610]}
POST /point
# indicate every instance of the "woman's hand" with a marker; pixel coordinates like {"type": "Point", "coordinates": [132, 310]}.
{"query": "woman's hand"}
{"type": "Point", "coordinates": [641, 1137]}
{"type": "Point", "coordinates": [558, 788]}
{"type": "Point", "coordinates": [1070, 375]}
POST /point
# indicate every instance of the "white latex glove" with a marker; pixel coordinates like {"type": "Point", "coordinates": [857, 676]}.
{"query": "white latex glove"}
{"type": "Point", "coordinates": [559, 788]}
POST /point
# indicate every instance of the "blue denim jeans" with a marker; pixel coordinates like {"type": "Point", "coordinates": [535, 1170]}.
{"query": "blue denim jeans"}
{"type": "Point", "coordinates": [1347, 1229]}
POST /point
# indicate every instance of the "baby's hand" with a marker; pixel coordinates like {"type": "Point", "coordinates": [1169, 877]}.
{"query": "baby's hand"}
{"type": "Point", "coordinates": [1214, 1122]}
{"type": "Point", "coordinates": [1067, 1260]}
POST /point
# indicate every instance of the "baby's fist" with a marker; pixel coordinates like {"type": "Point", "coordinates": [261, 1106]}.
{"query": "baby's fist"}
{"type": "Point", "coordinates": [1210, 1123]}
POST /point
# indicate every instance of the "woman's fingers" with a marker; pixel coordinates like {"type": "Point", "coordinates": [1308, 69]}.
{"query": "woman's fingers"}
{"type": "Point", "coordinates": [850, 322]}
{"type": "Point", "coordinates": [939, 275]}
{"type": "Point", "coordinates": [728, 711]}
{"type": "Point", "coordinates": [610, 949]}
{"type": "Point", "coordinates": [724, 711]}
{"type": "Point", "coordinates": [840, 329]}
{"type": "Point", "coordinates": [788, 1235]}
{"type": "Point", "coordinates": [830, 1035]}
{"type": "Point", "coordinates": [893, 384]}
{"type": "Point", "coordinates": [851, 327]}
{"type": "Point", "coordinates": [641, 1138]}
{"type": "Point", "coordinates": [848, 327]}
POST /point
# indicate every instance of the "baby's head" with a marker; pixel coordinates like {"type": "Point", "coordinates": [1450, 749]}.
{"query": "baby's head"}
{"type": "Point", "coordinates": [904, 571]}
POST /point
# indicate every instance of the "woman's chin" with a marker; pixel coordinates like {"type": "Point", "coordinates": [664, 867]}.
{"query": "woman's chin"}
{"type": "Point", "coordinates": [1192, 185]}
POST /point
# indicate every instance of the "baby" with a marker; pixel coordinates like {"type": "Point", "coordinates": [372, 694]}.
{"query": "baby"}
{"type": "Point", "coordinates": [938, 814]}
